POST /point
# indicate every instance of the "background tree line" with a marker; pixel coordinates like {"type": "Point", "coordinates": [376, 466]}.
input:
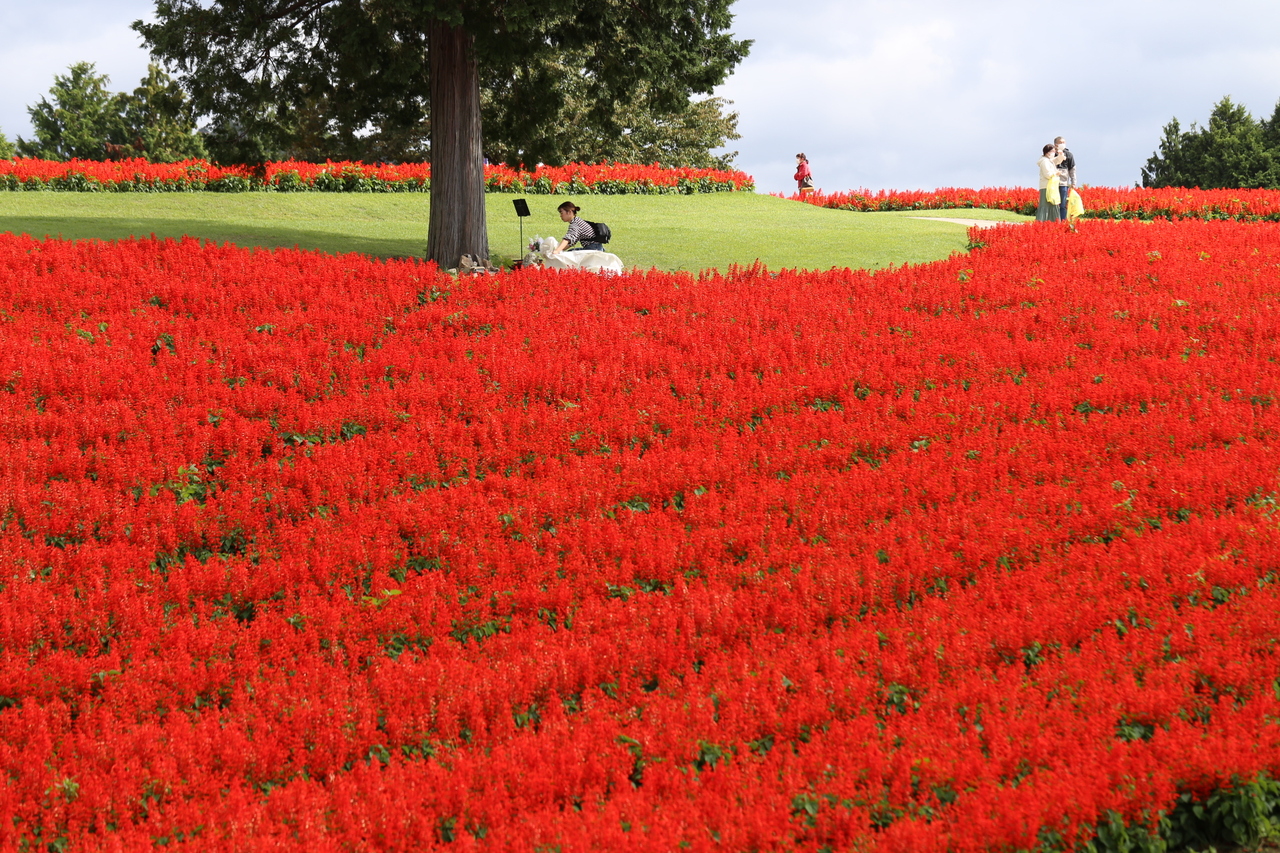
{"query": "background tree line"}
{"type": "Point", "coordinates": [81, 118]}
{"type": "Point", "coordinates": [1234, 150]}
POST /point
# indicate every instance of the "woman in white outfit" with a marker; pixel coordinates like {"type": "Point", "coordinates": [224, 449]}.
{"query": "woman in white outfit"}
{"type": "Point", "coordinates": [1049, 201]}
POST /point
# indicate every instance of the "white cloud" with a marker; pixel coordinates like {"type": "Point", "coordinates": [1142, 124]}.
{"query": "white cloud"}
{"type": "Point", "coordinates": [927, 93]}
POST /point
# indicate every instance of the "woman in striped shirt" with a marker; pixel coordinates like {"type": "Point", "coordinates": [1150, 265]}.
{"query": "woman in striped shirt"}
{"type": "Point", "coordinates": [580, 231]}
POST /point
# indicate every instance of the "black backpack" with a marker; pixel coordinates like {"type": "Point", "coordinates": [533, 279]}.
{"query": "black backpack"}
{"type": "Point", "coordinates": [601, 231]}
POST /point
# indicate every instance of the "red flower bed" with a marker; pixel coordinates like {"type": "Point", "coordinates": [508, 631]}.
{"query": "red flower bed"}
{"type": "Point", "coordinates": [143, 176]}
{"type": "Point", "coordinates": [1016, 199]}
{"type": "Point", "coordinates": [1100, 202]}
{"type": "Point", "coordinates": [327, 553]}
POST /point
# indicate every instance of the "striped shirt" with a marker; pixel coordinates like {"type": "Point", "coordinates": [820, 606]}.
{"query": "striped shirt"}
{"type": "Point", "coordinates": [580, 231]}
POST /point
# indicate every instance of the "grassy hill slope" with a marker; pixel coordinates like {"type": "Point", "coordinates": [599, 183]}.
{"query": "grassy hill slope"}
{"type": "Point", "coordinates": [667, 232]}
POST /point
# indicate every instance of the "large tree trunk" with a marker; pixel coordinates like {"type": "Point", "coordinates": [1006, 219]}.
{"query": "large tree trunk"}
{"type": "Point", "coordinates": [457, 224]}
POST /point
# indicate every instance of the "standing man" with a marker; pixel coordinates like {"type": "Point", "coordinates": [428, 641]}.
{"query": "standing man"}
{"type": "Point", "coordinates": [1066, 175]}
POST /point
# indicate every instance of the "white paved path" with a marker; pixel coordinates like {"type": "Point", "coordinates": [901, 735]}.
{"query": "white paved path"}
{"type": "Point", "coordinates": [981, 223]}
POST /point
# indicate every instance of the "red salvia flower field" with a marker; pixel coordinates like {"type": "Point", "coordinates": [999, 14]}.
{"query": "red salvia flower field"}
{"type": "Point", "coordinates": [329, 553]}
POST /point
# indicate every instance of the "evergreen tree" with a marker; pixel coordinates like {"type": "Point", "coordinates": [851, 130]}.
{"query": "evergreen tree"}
{"type": "Point", "coordinates": [380, 63]}
{"type": "Point", "coordinates": [83, 119]}
{"type": "Point", "coordinates": [1233, 153]}
{"type": "Point", "coordinates": [1169, 166]}
{"type": "Point", "coordinates": [1271, 129]}
{"type": "Point", "coordinates": [7, 150]}
{"type": "Point", "coordinates": [1234, 150]}
{"type": "Point", "coordinates": [250, 139]}
{"type": "Point", "coordinates": [634, 129]}
{"type": "Point", "coordinates": [78, 119]}
{"type": "Point", "coordinates": [162, 120]}
{"type": "Point", "coordinates": [684, 138]}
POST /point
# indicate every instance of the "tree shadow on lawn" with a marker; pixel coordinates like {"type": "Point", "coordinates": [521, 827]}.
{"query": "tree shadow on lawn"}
{"type": "Point", "coordinates": [266, 234]}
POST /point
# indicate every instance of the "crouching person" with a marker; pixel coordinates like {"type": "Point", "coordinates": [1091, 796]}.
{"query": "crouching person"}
{"type": "Point", "coordinates": [580, 230]}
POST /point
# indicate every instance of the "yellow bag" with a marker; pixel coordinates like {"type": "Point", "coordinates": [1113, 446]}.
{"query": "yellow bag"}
{"type": "Point", "coordinates": [1075, 205]}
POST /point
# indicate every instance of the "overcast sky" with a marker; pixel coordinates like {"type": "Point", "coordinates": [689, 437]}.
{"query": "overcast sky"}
{"type": "Point", "coordinates": [881, 94]}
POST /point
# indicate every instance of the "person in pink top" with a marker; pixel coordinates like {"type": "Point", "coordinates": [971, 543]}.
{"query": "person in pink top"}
{"type": "Point", "coordinates": [804, 178]}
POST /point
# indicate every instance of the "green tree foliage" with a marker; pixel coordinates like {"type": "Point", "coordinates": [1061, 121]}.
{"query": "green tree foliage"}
{"type": "Point", "coordinates": [7, 149]}
{"type": "Point", "coordinates": [1271, 132]}
{"type": "Point", "coordinates": [79, 119]}
{"type": "Point", "coordinates": [635, 132]}
{"type": "Point", "coordinates": [247, 139]}
{"type": "Point", "coordinates": [162, 120]}
{"type": "Point", "coordinates": [272, 71]}
{"type": "Point", "coordinates": [1234, 150]}
{"type": "Point", "coordinates": [83, 119]}
{"type": "Point", "coordinates": [312, 133]}
{"type": "Point", "coordinates": [685, 138]}
{"type": "Point", "coordinates": [634, 128]}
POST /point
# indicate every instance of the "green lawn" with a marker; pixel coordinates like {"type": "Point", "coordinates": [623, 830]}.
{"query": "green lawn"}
{"type": "Point", "coordinates": [667, 232]}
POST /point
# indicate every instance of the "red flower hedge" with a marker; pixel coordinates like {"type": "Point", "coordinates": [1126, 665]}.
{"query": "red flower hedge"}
{"type": "Point", "coordinates": [143, 176]}
{"type": "Point", "coordinates": [324, 552]}
{"type": "Point", "coordinates": [1100, 202]}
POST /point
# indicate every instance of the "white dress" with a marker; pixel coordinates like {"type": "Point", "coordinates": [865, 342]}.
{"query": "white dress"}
{"type": "Point", "coordinates": [585, 259]}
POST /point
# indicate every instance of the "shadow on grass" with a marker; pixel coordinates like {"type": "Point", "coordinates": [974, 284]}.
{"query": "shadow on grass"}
{"type": "Point", "coordinates": [690, 233]}
{"type": "Point", "coordinates": [268, 234]}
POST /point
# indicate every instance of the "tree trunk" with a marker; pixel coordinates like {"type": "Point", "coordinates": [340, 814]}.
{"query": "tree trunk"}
{"type": "Point", "coordinates": [457, 225]}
